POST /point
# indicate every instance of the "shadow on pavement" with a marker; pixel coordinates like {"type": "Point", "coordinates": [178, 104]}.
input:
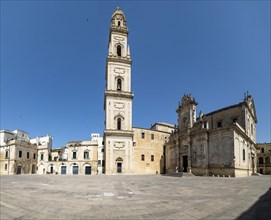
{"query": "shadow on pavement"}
{"type": "Point", "coordinates": [260, 210]}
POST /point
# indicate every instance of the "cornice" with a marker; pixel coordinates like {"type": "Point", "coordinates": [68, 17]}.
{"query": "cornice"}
{"type": "Point", "coordinates": [120, 94]}
{"type": "Point", "coordinates": [120, 133]}
{"type": "Point", "coordinates": [118, 60]}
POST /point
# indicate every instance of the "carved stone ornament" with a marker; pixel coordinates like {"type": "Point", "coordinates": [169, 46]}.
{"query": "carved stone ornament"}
{"type": "Point", "coordinates": [119, 70]}
{"type": "Point", "coordinates": [119, 144]}
{"type": "Point", "coordinates": [119, 105]}
{"type": "Point", "coordinates": [118, 38]}
{"type": "Point", "coordinates": [184, 148]}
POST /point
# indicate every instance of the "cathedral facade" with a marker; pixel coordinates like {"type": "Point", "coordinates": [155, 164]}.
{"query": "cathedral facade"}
{"type": "Point", "coordinates": [218, 143]}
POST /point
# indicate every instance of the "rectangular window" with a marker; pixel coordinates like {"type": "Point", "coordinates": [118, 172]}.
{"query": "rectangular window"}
{"type": "Point", "coordinates": [20, 153]}
{"type": "Point", "coordinates": [134, 144]}
{"type": "Point", "coordinates": [74, 155]}
{"type": "Point", "coordinates": [142, 135]}
{"type": "Point", "coordinates": [99, 162]}
{"type": "Point", "coordinates": [34, 156]}
{"type": "Point", "coordinates": [219, 124]}
{"type": "Point", "coordinates": [55, 158]}
{"type": "Point", "coordinates": [6, 166]}
{"type": "Point", "coordinates": [6, 155]}
{"type": "Point", "coordinates": [152, 136]}
{"type": "Point", "coordinates": [262, 150]}
{"type": "Point", "coordinates": [86, 155]}
{"type": "Point", "coordinates": [27, 155]}
{"type": "Point", "coordinates": [142, 157]}
{"type": "Point", "coordinates": [152, 157]}
{"type": "Point", "coordinates": [102, 162]}
{"type": "Point", "coordinates": [42, 156]}
{"type": "Point", "coordinates": [102, 150]}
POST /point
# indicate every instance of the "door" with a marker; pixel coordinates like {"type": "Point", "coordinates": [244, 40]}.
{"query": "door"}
{"type": "Point", "coordinates": [119, 167]}
{"type": "Point", "coordinates": [88, 170]}
{"type": "Point", "coordinates": [63, 169]}
{"type": "Point", "coordinates": [75, 170]}
{"type": "Point", "coordinates": [185, 163]}
{"type": "Point", "coordinates": [51, 169]}
{"type": "Point", "coordinates": [33, 169]}
{"type": "Point", "coordinates": [19, 170]}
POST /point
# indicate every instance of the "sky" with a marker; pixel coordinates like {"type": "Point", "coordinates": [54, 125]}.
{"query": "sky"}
{"type": "Point", "coordinates": [53, 62]}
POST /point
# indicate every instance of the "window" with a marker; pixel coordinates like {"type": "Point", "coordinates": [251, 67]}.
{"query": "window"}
{"type": "Point", "coordinates": [267, 160]}
{"type": "Point", "coordinates": [27, 155]}
{"type": "Point", "coordinates": [102, 150]}
{"type": "Point", "coordinates": [119, 50]}
{"type": "Point", "coordinates": [143, 135]}
{"type": "Point", "coordinates": [152, 136]}
{"type": "Point", "coordinates": [119, 123]}
{"type": "Point", "coordinates": [134, 144]}
{"type": "Point", "coordinates": [119, 23]}
{"type": "Point", "coordinates": [75, 169]}
{"type": "Point", "coordinates": [74, 155]}
{"type": "Point", "coordinates": [234, 120]}
{"type": "Point", "coordinates": [244, 155]}
{"type": "Point", "coordinates": [262, 150]}
{"type": "Point", "coordinates": [219, 124]}
{"type": "Point", "coordinates": [102, 162]}
{"type": "Point", "coordinates": [142, 157]}
{"type": "Point", "coordinates": [34, 156]}
{"type": "Point", "coordinates": [260, 160]}
{"type": "Point", "coordinates": [42, 156]}
{"type": "Point", "coordinates": [86, 154]}
{"type": "Point", "coordinates": [6, 166]}
{"type": "Point", "coordinates": [152, 157]}
{"type": "Point", "coordinates": [55, 158]}
{"type": "Point", "coordinates": [119, 84]}
{"type": "Point", "coordinates": [20, 153]}
{"type": "Point", "coordinates": [6, 155]}
{"type": "Point", "coordinates": [99, 162]}
{"type": "Point", "coordinates": [251, 128]}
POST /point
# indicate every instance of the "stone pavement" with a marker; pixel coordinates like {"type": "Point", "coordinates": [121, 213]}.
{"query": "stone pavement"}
{"type": "Point", "coordinates": [134, 197]}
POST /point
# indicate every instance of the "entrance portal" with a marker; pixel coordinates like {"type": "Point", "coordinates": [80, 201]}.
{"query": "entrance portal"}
{"type": "Point", "coordinates": [119, 167]}
{"type": "Point", "coordinates": [87, 170]}
{"type": "Point", "coordinates": [19, 170]}
{"type": "Point", "coordinates": [63, 169]}
{"type": "Point", "coordinates": [185, 163]}
{"type": "Point", "coordinates": [33, 169]}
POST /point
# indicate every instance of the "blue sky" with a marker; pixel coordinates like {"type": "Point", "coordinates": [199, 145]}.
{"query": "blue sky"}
{"type": "Point", "coordinates": [53, 57]}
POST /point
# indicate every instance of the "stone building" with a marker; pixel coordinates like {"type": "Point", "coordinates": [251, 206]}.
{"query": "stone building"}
{"type": "Point", "coordinates": [264, 158]}
{"type": "Point", "coordinates": [222, 142]}
{"type": "Point", "coordinates": [128, 150]}
{"type": "Point", "coordinates": [77, 157]}
{"type": "Point", "coordinates": [19, 153]}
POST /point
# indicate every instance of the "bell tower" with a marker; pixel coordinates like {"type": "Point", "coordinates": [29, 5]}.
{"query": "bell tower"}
{"type": "Point", "coordinates": [118, 133]}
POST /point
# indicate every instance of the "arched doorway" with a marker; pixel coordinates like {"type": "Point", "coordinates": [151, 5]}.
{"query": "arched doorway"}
{"type": "Point", "coordinates": [87, 169]}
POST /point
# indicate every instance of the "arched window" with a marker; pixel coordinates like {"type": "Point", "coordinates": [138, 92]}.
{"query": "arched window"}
{"type": "Point", "coordinates": [244, 155]}
{"type": "Point", "coordinates": [260, 160]}
{"type": "Point", "coordinates": [119, 123]}
{"type": "Point", "coordinates": [119, 84]}
{"type": "Point", "coordinates": [119, 50]}
{"type": "Point", "coordinates": [119, 23]}
{"type": "Point", "coordinates": [267, 160]}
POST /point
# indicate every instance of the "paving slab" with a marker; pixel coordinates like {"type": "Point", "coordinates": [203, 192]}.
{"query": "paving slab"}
{"type": "Point", "coordinates": [134, 197]}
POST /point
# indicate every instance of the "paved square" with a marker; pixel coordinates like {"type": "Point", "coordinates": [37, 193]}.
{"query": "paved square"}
{"type": "Point", "coordinates": [134, 197]}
